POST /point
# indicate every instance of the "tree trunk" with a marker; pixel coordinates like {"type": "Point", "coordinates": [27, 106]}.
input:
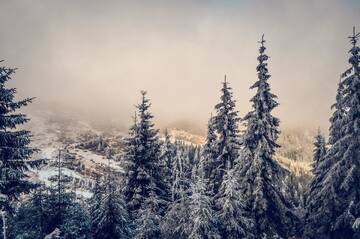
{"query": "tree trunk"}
{"type": "Point", "coordinates": [4, 223]}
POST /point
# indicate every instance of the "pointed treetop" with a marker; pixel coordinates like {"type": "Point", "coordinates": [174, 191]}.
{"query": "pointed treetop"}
{"type": "Point", "coordinates": [355, 37]}
{"type": "Point", "coordinates": [262, 47]}
{"type": "Point", "coordinates": [144, 104]}
{"type": "Point", "coordinates": [143, 93]}
{"type": "Point", "coordinates": [225, 78]}
{"type": "Point", "coordinates": [262, 40]}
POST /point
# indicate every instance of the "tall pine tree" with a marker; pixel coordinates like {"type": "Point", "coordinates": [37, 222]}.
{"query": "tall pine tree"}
{"type": "Point", "coordinates": [223, 136]}
{"type": "Point", "coordinates": [32, 216]}
{"type": "Point", "coordinates": [180, 175]}
{"type": "Point", "coordinates": [148, 219]}
{"type": "Point", "coordinates": [232, 213]}
{"type": "Point", "coordinates": [261, 177]}
{"type": "Point", "coordinates": [144, 175]}
{"type": "Point", "coordinates": [15, 149]}
{"type": "Point", "coordinates": [202, 223]}
{"type": "Point", "coordinates": [110, 219]}
{"type": "Point", "coordinates": [167, 154]}
{"type": "Point", "coordinates": [338, 115]}
{"type": "Point", "coordinates": [175, 221]}
{"type": "Point", "coordinates": [209, 152]}
{"type": "Point", "coordinates": [334, 201]}
{"type": "Point", "coordinates": [319, 150]}
{"type": "Point", "coordinates": [98, 192]}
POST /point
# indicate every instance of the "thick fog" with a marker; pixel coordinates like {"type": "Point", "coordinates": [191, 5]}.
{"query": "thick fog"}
{"type": "Point", "coordinates": [92, 58]}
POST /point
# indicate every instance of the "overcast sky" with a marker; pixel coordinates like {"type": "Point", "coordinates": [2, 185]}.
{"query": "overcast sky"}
{"type": "Point", "coordinates": [94, 57]}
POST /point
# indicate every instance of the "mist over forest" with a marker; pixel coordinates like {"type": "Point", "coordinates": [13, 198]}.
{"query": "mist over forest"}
{"type": "Point", "coordinates": [179, 119]}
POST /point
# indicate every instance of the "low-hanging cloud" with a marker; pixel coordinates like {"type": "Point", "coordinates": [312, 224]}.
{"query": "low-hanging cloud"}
{"type": "Point", "coordinates": [94, 57]}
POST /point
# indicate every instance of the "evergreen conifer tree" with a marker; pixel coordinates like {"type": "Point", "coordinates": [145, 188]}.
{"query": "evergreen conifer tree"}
{"type": "Point", "coordinates": [98, 192]}
{"type": "Point", "coordinates": [319, 150]}
{"type": "Point", "coordinates": [167, 154]}
{"type": "Point", "coordinates": [31, 217]}
{"type": "Point", "coordinates": [225, 123]}
{"type": "Point", "coordinates": [143, 173]}
{"type": "Point", "coordinates": [110, 218]}
{"type": "Point", "coordinates": [181, 180]}
{"type": "Point", "coordinates": [232, 214]}
{"type": "Point", "coordinates": [202, 223]}
{"type": "Point", "coordinates": [333, 204]}
{"type": "Point", "coordinates": [76, 224]}
{"type": "Point", "coordinates": [175, 222]}
{"type": "Point", "coordinates": [60, 196]}
{"type": "Point", "coordinates": [148, 220]}
{"type": "Point", "coordinates": [209, 153]}
{"type": "Point", "coordinates": [338, 115]}
{"type": "Point", "coordinates": [262, 178]}
{"type": "Point", "coordinates": [15, 149]}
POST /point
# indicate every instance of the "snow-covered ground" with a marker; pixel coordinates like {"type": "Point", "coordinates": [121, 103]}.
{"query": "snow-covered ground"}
{"type": "Point", "coordinates": [51, 134]}
{"type": "Point", "coordinates": [92, 159]}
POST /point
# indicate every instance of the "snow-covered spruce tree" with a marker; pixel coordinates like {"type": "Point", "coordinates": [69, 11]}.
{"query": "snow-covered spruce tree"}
{"type": "Point", "coordinates": [209, 152]}
{"type": "Point", "coordinates": [98, 193]}
{"type": "Point", "coordinates": [15, 151]}
{"type": "Point", "coordinates": [77, 223]}
{"type": "Point", "coordinates": [148, 220]}
{"type": "Point", "coordinates": [110, 218]}
{"type": "Point", "coordinates": [225, 123]}
{"type": "Point", "coordinates": [232, 214]}
{"type": "Point", "coordinates": [202, 221]}
{"type": "Point", "coordinates": [338, 115]}
{"type": "Point", "coordinates": [60, 196]}
{"type": "Point", "coordinates": [334, 202]}
{"type": "Point", "coordinates": [186, 154]}
{"type": "Point", "coordinates": [60, 207]}
{"type": "Point", "coordinates": [30, 220]}
{"type": "Point", "coordinates": [175, 222]}
{"type": "Point", "coordinates": [176, 218]}
{"type": "Point", "coordinates": [262, 178]}
{"type": "Point", "coordinates": [143, 171]}
{"type": "Point", "coordinates": [37, 216]}
{"type": "Point", "coordinates": [181, 179]}
{"type": "Point", "coordinates": [167, 154]}
{"type": "Point", "coordinates": [131, 165]}
{"type": "Point", "coordinates": [319, 150]}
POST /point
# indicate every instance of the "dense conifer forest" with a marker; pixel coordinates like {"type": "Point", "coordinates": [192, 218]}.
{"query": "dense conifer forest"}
{"type": "Point", "coordinates": [229, 187]}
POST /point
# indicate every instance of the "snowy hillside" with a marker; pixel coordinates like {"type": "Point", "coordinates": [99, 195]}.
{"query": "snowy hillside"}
{"type": "Point", "coordinates": [89, 148]}
{"type": "Point", "coordinates": [296, 144]}
{"type": "Point", "coordinates": [186, 137]}
{"type": "Point", "coordinates": [51, 135]}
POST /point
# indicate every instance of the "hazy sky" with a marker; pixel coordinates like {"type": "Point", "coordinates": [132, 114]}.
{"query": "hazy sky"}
{"type": "Point", "coordinates": [94, 57]}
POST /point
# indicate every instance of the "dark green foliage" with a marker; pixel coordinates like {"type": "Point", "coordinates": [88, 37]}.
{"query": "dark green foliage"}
{"type": "Point", "coordinates": [225, 125]}
{"type": "Point", "coordinates": [38, 216]}
{"type": "Point", "coordinates": [76, 224]}
{"type": "Point", "coordinates": [144, 177]}
{"type": "Point", "coordinates": [262, 178]}
{"type": "Point", "coordinates": [319, 151]}
{"type": "Point", "coordinates": [334, 197]}
{"type": "Point", "coordinates": [15, 151]}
